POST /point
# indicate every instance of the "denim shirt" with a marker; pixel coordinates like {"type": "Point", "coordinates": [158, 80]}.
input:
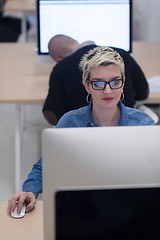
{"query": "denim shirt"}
{"type": "Point", "coordinates": [82, 118]}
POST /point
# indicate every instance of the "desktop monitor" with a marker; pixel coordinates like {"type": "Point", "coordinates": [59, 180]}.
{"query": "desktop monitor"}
{"type": "Point", "coordinates": [106, 22]}
{"type": "Point", "coordinates": [98, 161]}
{"type": "Point", "coordinates": [117, 213]}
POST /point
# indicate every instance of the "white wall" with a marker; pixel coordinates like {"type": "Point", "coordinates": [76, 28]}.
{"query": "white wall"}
{"type": "Point", "coordinates": [146, 18]}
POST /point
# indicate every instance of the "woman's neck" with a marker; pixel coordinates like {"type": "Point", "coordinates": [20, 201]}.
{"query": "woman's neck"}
{"type": "Point", "coordinates": [107, 117]}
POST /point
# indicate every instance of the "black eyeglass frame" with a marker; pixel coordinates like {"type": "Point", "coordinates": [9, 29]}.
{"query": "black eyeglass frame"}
{"type": "Point", "coordinates": [105, 83]}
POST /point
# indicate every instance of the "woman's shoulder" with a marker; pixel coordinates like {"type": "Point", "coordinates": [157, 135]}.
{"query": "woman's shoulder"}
{"type": "Point", "coordinates": [140, 116]}
{"type": "Point", "coordinates": [75, 112]}
{"type": "Point", "coordinates": [136, 116]}
{"type": "Point", "coordinates": [73, 118]}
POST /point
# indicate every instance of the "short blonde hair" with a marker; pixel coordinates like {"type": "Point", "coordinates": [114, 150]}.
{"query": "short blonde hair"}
{"type": "Point", "coordinates": [100, 56]}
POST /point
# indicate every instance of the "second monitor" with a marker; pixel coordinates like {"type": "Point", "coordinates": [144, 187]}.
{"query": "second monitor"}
{"type": "Point", "coordinates": [107, 23]}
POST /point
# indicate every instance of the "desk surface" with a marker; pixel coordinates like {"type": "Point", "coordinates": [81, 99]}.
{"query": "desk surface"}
{"type": "Point", "coordinates": [21, 5]}
{"type": "Point", "coordinates": [28, 228]}
{"type": "Point", "coordinates": [147, 54]}
{"type": "Point", "coordinates": [24, 78]}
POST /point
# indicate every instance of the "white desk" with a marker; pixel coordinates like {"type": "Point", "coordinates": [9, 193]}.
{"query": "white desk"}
{"type": "Point", "coordinates": [24, 79]}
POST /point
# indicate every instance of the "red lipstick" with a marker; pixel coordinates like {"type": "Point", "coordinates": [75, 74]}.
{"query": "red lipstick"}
{"type": "Point", "coordinates": [107, 99]}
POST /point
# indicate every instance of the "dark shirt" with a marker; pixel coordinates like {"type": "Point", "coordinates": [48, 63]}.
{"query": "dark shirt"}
{"type": "Point", "coordinates": [66, 91]}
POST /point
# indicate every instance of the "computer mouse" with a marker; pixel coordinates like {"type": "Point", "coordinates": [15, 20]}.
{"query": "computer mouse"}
{"type": "Point", "coordinates": [14, 214]}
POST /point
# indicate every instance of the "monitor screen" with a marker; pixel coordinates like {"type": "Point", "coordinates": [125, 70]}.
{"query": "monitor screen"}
{"type": "Point", "coordinates": [106, 22]}
{"type": "Point", "coordinates": [97, 158]}
{"type": "Point", "coordinates": [124, 213]}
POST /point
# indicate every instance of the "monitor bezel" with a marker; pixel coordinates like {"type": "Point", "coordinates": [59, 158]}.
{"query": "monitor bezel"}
{"type": "Point", "coordinates": [39, 52]}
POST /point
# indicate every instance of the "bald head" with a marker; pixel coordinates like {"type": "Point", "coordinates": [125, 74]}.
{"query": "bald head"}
{"type": "Point", "coordinates": [61, 46]}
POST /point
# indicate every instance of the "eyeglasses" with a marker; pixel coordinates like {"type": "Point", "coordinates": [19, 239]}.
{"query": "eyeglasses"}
{"type": "Point", "coordinates": [101, 85]}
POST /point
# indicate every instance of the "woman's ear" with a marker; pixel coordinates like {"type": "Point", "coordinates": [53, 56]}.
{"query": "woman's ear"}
{"type": "Point", "coordinates": [86, 86]}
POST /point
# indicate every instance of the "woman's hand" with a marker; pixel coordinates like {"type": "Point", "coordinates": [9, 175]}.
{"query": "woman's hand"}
{"type": "Point", "coordinates": [28, 198]}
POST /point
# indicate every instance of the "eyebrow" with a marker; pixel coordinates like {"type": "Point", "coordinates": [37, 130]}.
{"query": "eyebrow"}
{"type": "Point", "coordinates": [99, 79]}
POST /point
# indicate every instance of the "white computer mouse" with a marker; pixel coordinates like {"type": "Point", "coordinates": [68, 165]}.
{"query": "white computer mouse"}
{"type": "Point", "coordinates": [14, 214]}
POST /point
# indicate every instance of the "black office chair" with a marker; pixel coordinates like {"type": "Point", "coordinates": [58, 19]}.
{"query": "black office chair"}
{"type": "Point", "coordinates": [10, 27]}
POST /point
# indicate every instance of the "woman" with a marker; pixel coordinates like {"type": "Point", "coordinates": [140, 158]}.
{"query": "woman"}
{"type": "Point", "coordinates": [104, 79]}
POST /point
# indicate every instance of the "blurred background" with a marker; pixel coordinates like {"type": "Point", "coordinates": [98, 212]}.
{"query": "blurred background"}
{"type": "Point", "coordinates": [145, 28]}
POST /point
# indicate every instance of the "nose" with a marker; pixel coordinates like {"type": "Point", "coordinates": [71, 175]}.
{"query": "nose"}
{"type": "Point", "coordinates": [107, 89]}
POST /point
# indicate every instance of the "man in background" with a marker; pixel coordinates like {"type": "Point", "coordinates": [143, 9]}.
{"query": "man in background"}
{"type": "Point", "coordinates": [66, 91]}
